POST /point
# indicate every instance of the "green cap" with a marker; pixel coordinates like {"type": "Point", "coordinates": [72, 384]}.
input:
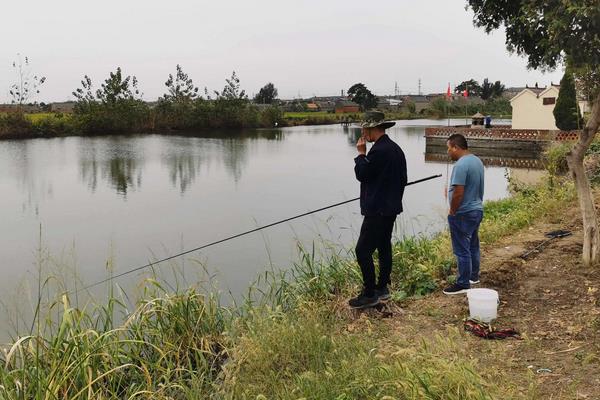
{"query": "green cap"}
{"type": "Point", "coordinates": [374, 119]}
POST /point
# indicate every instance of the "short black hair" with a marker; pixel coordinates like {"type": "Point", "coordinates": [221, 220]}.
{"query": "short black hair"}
{"type": "Point", "coordinates": [458, 140]}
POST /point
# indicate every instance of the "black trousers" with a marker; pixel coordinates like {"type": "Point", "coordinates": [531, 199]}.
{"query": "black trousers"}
{"type": "Point", "coordinates": [375, 234]}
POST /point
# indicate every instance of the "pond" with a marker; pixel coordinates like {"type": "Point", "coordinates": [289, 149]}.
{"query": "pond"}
{"type": "Point", "coordinates": [84, 206]}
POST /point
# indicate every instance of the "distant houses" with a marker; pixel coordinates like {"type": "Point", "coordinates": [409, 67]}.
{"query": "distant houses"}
{"type": "Point", "coordinates": [532, 108]}
{"type": "Point", "coordinates": [65, 107]}
{"type": "Point", "coordinates": [26, 108]}
{"type": "Point", "coordinates": [346, 106]}
{"type": "Point", "coordinates": [312, 107]}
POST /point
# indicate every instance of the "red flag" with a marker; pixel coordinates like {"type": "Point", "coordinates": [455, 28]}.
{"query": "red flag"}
{"type": "Point", "coordinates": [466, 93]}
{"type": "Point", "coordinates": [448, 94]}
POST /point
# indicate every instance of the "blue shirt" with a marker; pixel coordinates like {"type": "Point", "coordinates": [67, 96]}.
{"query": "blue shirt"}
{"type": "Point", "coordinates": [468, 172]}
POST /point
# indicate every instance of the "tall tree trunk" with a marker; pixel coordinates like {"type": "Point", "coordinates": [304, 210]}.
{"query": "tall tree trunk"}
{"type": "Point", "coordinates": [591, 238]}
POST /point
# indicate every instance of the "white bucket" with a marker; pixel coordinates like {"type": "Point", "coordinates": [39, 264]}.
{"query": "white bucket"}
{"type": "Point", "coordinates": [483, 304]}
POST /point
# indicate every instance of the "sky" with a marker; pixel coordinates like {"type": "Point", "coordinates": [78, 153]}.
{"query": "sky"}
{"type": "Point", "coordinates": [305, 48]}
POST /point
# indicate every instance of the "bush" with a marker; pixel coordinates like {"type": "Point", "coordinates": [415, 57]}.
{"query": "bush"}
{"type": "Point", "coordinates": [554, 158]}
{"type": "Point", "coordinates": [15, 125]}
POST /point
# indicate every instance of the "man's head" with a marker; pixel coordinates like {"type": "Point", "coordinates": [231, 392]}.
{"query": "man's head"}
{"type": "Point", "coordinates": [374, 125]}
{"type": "Point", "coordinates": [372, 134]}
{"type": "Point", "coordinates": [457, 146]}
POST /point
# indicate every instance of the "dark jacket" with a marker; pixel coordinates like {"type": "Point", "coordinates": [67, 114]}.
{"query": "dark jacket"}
{"type": "Point", "coordinates": [382, 176]}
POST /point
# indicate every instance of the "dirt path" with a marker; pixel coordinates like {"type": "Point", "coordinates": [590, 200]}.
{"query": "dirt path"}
{"type": "Point", "coordinates": [550, 298]}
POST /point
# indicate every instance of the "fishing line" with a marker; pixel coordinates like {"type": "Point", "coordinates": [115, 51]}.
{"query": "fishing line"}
{"type": "Point", "coordinates": [127, 272]}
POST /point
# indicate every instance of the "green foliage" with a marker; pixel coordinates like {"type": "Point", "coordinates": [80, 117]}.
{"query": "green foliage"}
{"type": "Point", "coordinates": [566, 111]}
{"type": "Point", "coordinates": [180, 89]}
{"type": "Point", "coordinates": [471, 85]}
{"type": "Point", "coordinates": [410, 106]}
{"type": "Point", "coordinates": [15, 125]}
{"type": "Point", "coordinates": [266, 95]}
{"type": "Point", "coordinates": [169, 342]}
{"type": "Point", "coordinates": [175, 108]}
{"type": "Point", "coordinates": [360, 94]}
{"type": "Point", "coordinates": [497, 105]}
{"type": "Point", "coordinates": [306, 354]}
{"type": "Point", "coordinates": [555, 158]}
{"type": "Point", "coordinates": [587, 81]}
{"type": "Point", "coordinates": [271, 116]}
{"type": "Point", "coordinates": [491, 90]}
{"type": "Point", "coordinates": [545, 31]}
{"type": "Point", "coordinates": [417, 263]}
{"type": "Point", "coordinates": [504, 217]}
{"type": "Point", "coordinates": [116, 107]}
{"type": "Point", "coordinates": [232, 91]}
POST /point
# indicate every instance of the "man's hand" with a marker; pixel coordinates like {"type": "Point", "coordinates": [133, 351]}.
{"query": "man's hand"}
{"type": "Point", "coordinates": [361, 146]}
{"type": "Point", "coordinates": [458, 193]}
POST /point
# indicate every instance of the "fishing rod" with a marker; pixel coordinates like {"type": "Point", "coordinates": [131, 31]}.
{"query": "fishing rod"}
{"type": "Point", "coordinates": [235, 236]}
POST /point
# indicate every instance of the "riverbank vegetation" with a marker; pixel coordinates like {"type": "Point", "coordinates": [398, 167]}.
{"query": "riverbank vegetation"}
{"type": "Point", "coordinates": [293, 337]}
{"type": "Point", "coordinates": [116, 107]}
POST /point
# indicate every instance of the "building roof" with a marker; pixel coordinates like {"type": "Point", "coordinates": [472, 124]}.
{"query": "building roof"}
{"type": "Point", "coordinates": [416, 98]}
{"type": "Point", "coordinates": [346, 103]}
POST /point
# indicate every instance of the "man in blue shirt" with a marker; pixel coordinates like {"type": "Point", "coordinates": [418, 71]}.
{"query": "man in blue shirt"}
{"type": "Point", "coordinates": [382, 177]}
{"type": "Point", "coordinates": [466, 212]}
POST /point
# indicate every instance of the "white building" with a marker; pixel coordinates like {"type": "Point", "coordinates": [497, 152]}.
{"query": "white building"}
{"type": "Point", "coordinates": [532, 108]}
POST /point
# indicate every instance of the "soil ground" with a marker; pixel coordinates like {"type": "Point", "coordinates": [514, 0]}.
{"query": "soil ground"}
{"type": "Point", "coordinates": [549, 297]}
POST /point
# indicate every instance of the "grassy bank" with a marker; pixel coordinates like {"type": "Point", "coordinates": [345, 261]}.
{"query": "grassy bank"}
{"type": "Point", "coordinates": [298, 341]}
{"type": "Point", "coordinates": [322, 117]}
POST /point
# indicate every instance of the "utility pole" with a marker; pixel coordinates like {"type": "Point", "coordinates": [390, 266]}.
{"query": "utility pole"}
{"type": "Point", "coordinates": [396, 91]}
{"type": "Point", "coordinates": [420, 87]}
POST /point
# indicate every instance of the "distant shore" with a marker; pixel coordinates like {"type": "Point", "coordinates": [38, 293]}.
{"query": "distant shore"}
{"type": "Point", "coordinates": [50, 125]}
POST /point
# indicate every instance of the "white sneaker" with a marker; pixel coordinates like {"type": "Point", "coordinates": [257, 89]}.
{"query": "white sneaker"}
{"type": "Point", "coordinates": [474, 282]}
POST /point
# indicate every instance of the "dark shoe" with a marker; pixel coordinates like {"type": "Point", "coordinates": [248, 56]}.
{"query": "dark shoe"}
{"type": "Point", "coordinates": [475, 282]}
{"type": "Point", "coordinates": [383, 293]}
{"type": "Point", "coordinates": [362, 301]}
{"type": "Point", "coordinates": [455, 289]}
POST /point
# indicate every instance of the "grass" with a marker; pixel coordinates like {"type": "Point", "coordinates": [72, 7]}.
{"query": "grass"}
{"type": "Point", "coordinates": [306, 354]}
{"type": "Point", "coordinates": [323, 116]}
{"type": "Point", "coordinates": [295, 343]}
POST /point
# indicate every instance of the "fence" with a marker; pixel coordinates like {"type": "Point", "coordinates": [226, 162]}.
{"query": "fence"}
{"type": "Point", "coordinates": [503, 133]}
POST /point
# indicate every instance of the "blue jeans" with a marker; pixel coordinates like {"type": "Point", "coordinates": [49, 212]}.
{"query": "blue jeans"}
{"type": "Point", "coordinates": [464, 230]}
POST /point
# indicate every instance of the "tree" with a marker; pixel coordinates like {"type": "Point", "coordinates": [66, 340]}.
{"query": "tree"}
{"type": "Point", "coordinates": [116, 89]}
{"type": "Point", "coordinates": [27, 85]}
{"type": "Point", "coordinates": [232, 91]}
{"type": "Point", "coordinates": [498, 89]}
{"type": "Point", "coordinates": [549, 33]}
{"type": "Point", "coordinates": [266, 95]}
{"type": "Point", "coordinates": [410, 105]}
{"type": "Point", "coordinates": [180, 88]}
{"type": "Point", "coordinates": [115, 107]}
{"type": "Point", "coordinates": [472, 86]}
{"type": "Point", "coordinates": [489, 90]}
{"type": "Point", "coordinates": [486, 89]}
{"type": "Point", "coordinates": [359, 94]}
{"type": "Point", "coordinates": [566, 111]}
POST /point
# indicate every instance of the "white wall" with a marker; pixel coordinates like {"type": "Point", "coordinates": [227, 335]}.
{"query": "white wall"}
{"type": "Point", "coordinates": [529, 112]}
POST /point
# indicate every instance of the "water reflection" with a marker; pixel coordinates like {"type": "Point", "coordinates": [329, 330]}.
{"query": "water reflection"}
{"type": "Point", "coordinates": [353, 133]}
{"type": "Point", "coordinates": [113, 160]}
{"type": "Point", "coordinates": [234, 156]}
{"type": "Point", "coordinates": [490, 157]}
{"type": "Point", "coordinates": [121, 161]}
{"type": "Point", "coordinates": [182, 169]}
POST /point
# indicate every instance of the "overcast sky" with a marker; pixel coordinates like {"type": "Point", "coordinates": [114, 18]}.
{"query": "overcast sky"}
{"type": "Point", "coordinates": [305, 47]}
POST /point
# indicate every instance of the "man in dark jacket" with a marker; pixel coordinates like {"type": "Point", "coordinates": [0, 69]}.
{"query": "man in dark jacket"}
{"type": "Point", "coordinates": [382, 176]}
